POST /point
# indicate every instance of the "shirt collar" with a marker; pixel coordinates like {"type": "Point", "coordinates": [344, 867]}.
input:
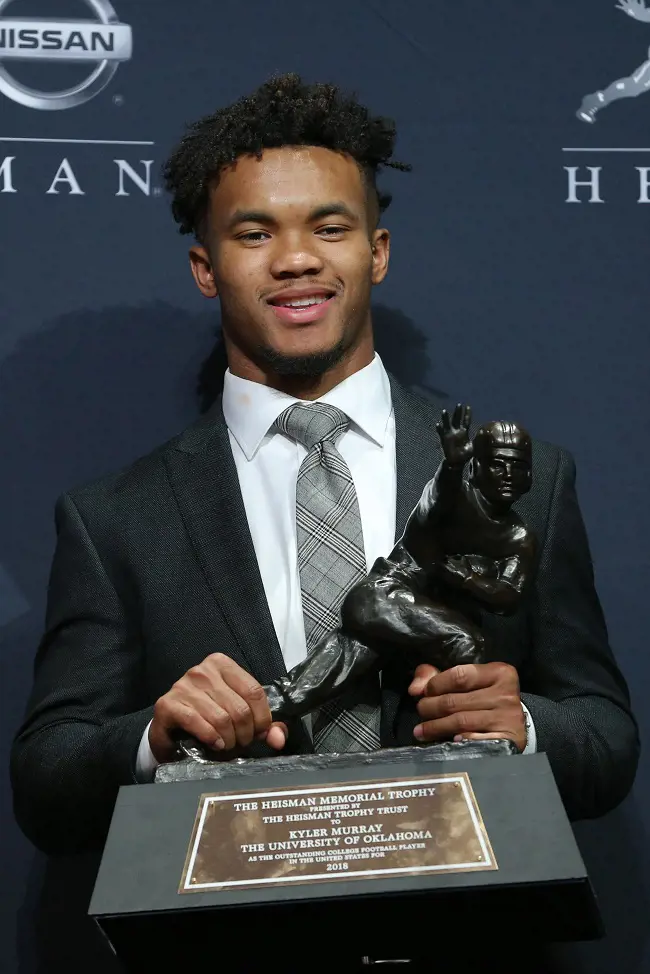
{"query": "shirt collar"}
{"type": "Point", "coordinates": [250, 409]}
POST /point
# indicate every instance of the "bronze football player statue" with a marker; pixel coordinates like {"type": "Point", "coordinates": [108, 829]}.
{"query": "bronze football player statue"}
{"type": "Point", "coordinates": [463, 548]}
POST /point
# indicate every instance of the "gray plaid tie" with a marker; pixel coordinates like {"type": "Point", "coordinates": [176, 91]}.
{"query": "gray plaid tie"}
{"type": "Point", "coordinates": [331, 559]}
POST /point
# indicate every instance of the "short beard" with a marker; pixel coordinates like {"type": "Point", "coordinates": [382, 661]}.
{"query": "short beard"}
{"type": "Point", "coordinates": [310, 366]}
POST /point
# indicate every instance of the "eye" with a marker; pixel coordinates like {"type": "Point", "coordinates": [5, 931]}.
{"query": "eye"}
{"type": "Point", "coordinates": [253, 236]}
{"type": "Point", "coordinates": [332, 231]}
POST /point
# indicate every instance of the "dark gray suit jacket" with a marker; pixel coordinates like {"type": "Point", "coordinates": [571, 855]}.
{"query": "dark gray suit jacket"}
{"type": "Point", "coordinates": [155, 569]}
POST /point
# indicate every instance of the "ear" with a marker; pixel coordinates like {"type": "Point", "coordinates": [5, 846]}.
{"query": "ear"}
{"type": "Point", "coordinates": [202, 271]}
{"type": "Point", "coordinates": [380, 245]}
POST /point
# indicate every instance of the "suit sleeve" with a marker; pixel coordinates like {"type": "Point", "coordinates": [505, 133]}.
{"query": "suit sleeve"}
{"type": "Point", "coordinates": [80, 737]}
{"type": "Point", "coordinates": [579, 701]}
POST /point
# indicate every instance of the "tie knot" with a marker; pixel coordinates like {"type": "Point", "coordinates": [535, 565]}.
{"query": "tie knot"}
{"type": "Point", "coordinates": [311, 423]}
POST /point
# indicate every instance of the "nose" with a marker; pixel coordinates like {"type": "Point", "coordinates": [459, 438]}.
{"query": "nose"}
{"type": "Point", "coordinates": [294, 257]}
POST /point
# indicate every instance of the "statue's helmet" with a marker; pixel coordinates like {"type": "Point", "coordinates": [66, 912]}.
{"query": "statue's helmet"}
{"type": "Point", "coordinates": [501, 435]}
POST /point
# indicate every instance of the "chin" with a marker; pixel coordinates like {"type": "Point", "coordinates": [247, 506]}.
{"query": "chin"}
{"type": "Point", "coordinates": [305, 361]}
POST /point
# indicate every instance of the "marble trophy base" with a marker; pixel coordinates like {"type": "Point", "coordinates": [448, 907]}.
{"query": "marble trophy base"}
{"type": "Point", "coordinates": [197, 768]}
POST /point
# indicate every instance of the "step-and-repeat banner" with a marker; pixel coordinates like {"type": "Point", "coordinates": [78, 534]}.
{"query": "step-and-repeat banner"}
{"type": "Point", "coordinates": [519, 282]}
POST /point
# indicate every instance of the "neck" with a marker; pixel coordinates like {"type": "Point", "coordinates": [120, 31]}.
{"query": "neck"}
{"type": "Point", "coordinates": [307, 387]}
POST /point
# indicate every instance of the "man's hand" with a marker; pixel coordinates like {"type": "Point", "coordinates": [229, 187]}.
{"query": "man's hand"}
{"type": "Point", "coordinates": [471, 702]}
{"type": "Point", "coordinates": [454, 435]}
{"type": "Point", "coordinates": [221, 705]}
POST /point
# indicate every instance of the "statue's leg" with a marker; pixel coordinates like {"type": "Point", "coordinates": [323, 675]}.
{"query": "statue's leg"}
{"type": "Point", "coordinates": [389, 609]}
{"type": "Point", "coordinates": [638, 83]}
{"type": "Point", "coordinates": [335, 660]}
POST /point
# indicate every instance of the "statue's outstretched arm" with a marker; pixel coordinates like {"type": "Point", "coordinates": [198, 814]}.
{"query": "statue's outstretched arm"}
{"type": "Point", "coordinates": [441, 494]}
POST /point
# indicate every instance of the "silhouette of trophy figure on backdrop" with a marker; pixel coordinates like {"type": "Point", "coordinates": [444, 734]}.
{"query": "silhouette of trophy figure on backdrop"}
{"type": "Point", "coordinates": [635, 84]}
{"type": "Point", "coordinates": [463, 549]}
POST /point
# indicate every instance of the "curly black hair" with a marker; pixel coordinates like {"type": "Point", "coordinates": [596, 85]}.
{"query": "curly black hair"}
{"type": "Point", "coordinates": [282, 112]}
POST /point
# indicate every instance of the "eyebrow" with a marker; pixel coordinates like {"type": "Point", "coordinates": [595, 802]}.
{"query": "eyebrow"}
{"type": "Point", "coordinates": [335, 208]}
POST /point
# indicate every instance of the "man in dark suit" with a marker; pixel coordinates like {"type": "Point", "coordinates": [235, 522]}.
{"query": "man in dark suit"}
{"type": "Point", "coordinates": [208, 568]}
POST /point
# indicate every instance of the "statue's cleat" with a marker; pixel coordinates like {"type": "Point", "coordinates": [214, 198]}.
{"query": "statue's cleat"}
{"type": "Point", "coordinates": [591, 105]}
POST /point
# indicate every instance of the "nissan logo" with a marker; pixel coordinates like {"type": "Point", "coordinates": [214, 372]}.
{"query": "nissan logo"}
{"type": "Point", "coordinates": [103, 41]}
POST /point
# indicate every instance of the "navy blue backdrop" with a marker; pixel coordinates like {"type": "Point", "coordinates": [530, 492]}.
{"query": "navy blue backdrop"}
{"type": "Point", "coordinates": [519, 280]}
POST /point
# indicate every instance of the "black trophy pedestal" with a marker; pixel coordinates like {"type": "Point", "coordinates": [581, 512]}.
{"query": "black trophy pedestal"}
{"type": "Point", "coordinates": [479, 920]}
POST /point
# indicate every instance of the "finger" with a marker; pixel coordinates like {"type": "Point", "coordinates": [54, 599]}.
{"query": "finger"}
{"type": "Point", "coordinates": [213, 706]}
{"type": "Point", "coordinates": [222, 723]}
{"type": "Point", "coordinates": [276, 736]}
{"type": "Point", "coordinates": [240, 716]}
{"type": "Point", "coordinates": [473, 676]}
{"type": "Point", "coordinates": [184, 715]}
{"type": "Point", "coordinates": [423, 673]}
{"type": "Point", "coordinates": [245, 685]}
{"type": "Point", "coordinates": [467, 722]}
{"type": "Point", "coordinates": [458, 412]}
{"type": "Point", "coordinates": [444, 420]}
{"type": "Point", "coordinates": [435, 707]}
{"type": "Point", "coordinates": [467, 417]}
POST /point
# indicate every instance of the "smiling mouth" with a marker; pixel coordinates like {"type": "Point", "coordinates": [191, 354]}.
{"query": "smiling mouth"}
{"type": "Point", "coordinates": [306, 302]}
{"type": "Point", "coordinates": [301, 310]}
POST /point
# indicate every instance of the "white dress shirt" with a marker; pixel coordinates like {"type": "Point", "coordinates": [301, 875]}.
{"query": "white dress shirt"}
{"type": "Point", "coordinates": [267, 467]}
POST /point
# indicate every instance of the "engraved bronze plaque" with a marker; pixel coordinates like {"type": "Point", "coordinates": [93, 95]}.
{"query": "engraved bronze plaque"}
{"type": "Point", "coordinates": [398, 827]}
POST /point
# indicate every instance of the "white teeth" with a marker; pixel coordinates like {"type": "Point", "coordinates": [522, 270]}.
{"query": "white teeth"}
{"type": "Point", "coordinates": [304, 302]}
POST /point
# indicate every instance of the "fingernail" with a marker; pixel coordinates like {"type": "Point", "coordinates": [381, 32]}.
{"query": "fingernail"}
{"type": "Point", "coordinates": [418, 732]}
{"type": "Point", "coordinates": [219, 743]}
{"type": "Point", "coordinates": [457, 738]}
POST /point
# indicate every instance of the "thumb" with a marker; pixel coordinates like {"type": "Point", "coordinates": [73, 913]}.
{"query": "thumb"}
{"type": "Point", "coordinates": [276, 736]}
{"type": "Point", "coordinates": [421, 677]}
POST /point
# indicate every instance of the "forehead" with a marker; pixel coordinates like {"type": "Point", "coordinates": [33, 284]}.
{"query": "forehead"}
{"type": "Point", "coordinates": [507, 453]}
{"type": "Point", "coordinates": [288, 178]}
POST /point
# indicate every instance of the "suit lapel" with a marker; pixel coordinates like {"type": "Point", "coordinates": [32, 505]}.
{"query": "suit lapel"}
{"type": "Point", "coordinates": [417, 448]}
{"type": "Point", "coordinates": [204, 479]}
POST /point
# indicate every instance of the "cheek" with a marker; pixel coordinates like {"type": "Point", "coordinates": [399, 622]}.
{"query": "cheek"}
{"type": "Point", "coordinates": [353, 263]}
{"type": "Point", "coordinates": [239, 276]}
